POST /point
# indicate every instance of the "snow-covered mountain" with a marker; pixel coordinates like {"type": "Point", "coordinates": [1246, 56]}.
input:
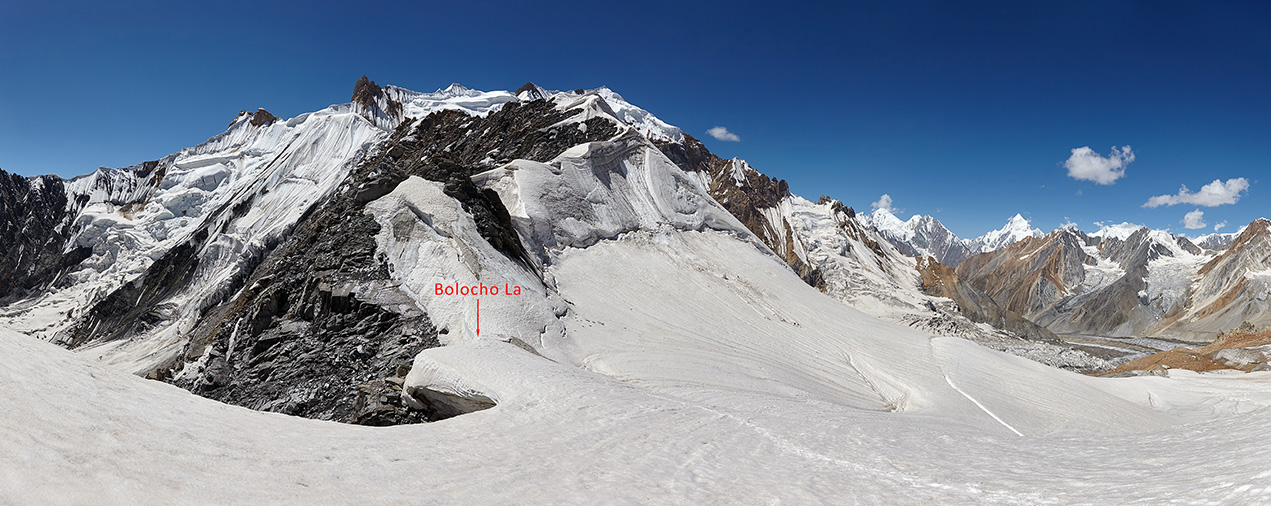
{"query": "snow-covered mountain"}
{"type": "Point", "coordinates": [669, 335]}
{"type": "Point", "coordinates": [1145, 283]}
{"type": "Point", "coordinates": [1120, 231]}
{"type": "Point", "coordinates": [1217, 241]}
{"type": "Point", "coordinates": [923, 236]}
{"type": "Point", "coordinates": [919, 236]}
{"type": "Point", "coordinates": [1016, 229]}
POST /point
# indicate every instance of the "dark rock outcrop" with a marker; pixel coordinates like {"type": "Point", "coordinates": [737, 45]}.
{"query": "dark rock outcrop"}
{"type": "Point", "coordinates": [263, 118]}
{"type": "Point", "coordinates": [33, 234]}
{"type": "Point", "coordinates": [373, 101]}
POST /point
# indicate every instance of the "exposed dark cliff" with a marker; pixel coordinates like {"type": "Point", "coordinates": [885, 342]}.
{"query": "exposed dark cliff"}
{"type": "Point", "coordinates": [33, 234]}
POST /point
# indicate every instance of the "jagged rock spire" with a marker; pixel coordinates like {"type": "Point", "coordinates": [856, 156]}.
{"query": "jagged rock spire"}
{"type": "Point", "coordinates": [532, 91]}
{"type": "Point", "coordinates": [365, 91]}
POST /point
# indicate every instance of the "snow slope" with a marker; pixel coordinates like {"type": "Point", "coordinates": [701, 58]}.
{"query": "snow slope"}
{"type": "Point", "coordinates": [673, 408]}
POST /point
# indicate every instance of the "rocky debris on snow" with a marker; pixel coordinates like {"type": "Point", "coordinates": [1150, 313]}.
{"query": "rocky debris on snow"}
{"type": "Point", "coordinates": [1245, 348]}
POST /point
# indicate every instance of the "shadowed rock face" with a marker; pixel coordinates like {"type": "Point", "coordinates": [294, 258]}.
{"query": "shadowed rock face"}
{"type": "Point", "coordinates": [530, 88]}
{"type": "Point", "coordinates": [745, 199]}
{"type": "Point", "coordinates": [32, 234]}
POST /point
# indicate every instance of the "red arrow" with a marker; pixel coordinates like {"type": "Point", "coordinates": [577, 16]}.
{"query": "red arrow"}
{"type": "Point", "coordinates": [478, 317]}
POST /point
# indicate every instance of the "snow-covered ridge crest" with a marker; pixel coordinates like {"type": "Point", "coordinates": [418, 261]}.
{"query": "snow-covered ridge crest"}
{"type": "Point", "coordinates": [615, 106]}
{"type": "Point", "coordinates": [643, 121]}
{"type": "Point", "coordinates": [390, 105]}
{"type": "Point", "coordinates": [454, 97]}
{"type": "Point", "coordinates": [1120, 231]}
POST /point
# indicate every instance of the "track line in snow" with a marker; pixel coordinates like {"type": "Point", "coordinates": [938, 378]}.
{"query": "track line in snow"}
{"type": "Point", "coordinates": [949, 380]}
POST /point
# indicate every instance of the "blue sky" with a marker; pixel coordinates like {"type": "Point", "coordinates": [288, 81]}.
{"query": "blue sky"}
{"type": "Point", "coordinates": [966, 112]}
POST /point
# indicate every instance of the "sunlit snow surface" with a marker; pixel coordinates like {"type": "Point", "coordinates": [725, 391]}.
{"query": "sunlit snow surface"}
{"type": "Point", "coordinates": [725, 395]}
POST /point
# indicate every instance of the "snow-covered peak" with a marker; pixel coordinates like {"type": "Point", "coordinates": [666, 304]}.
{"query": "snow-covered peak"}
{"type": "Point", "coordinates": [455, 90]}
{"type": "Point", "coordinates": [884, 221]}
{"type": "Point", "coordinates": [642, 120]}
{"type": "Point", "coordinates": [390, 105]}
{"type": "Point", "coordinates": [1220, 241]}
{"type": "Point", "coordinates": [1016, 229]}
{"type": "Point", "coordinates": [1169, 241]}
{"type": "Point", "coordinates": [1120, 231]}
{"type": "Point", "coordinates": [531, 91]}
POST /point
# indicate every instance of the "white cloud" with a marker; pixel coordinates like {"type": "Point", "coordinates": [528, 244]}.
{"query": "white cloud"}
{"type": "Point", "coordinates": [1068, 223]}
{"type": "Point", "coordinates": [722, 134]}
{"type": "Point", "coordinates": [1085, 164]}
{"type": "Point", "coordinates": [1213, 194]}
{"type": "Point", "coordinates": [1218, 226]}
{"type": "Point", "coordinates": [1194, 220]}
{"type": "Point", "coordinates": [884, 202]}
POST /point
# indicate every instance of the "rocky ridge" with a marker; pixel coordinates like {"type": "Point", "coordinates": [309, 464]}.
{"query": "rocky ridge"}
{"type": "Point", "coordinates": [1147, 284]}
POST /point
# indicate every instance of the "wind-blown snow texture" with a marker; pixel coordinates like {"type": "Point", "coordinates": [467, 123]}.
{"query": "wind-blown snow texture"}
{"type": "Point", "coordinates": [659, 352]}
